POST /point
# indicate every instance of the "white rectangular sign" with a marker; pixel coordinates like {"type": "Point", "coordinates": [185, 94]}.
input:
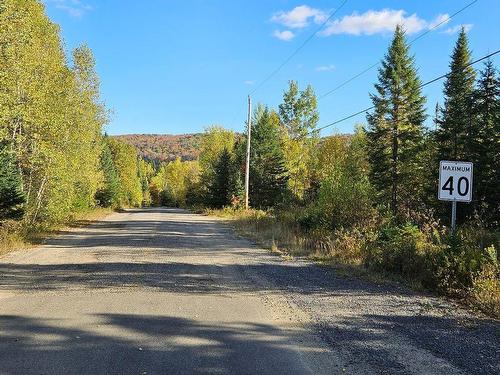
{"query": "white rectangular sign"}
{"type": "Point", "coordinates": [455, 181]}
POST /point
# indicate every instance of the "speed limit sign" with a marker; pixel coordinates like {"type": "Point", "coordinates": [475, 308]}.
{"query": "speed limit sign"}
{"type": "Point", "coordinates": [455, 181]}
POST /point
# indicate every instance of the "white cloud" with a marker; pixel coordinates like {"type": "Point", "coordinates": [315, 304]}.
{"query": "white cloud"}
{"type": "Point", "coordinates": [286, 35]}
{"type": "Point", "coordinates": [439, 21]}
{"type": "Point", "coordinates": [299, 17]}
{"type": "Point", "coordinates": [75, 8]}
{"type": "Point", "coordinates": [457, 28]}
{"type": "Point", "coordinates": [325, 68]}
{"type": "Point", "coordinates": [381, 21]}
{"type": "Point", "coordinates": [249, 82]}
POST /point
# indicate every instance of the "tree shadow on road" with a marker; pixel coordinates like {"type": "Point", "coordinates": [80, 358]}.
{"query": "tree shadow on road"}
{"type": "Point", "coordinates": [141, 344]}
{"type": "Point", "coordinates": [185, 278]}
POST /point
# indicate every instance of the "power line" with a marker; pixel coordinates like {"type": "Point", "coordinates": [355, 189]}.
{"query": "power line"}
{"type": "Point", "coordinates": [409, 43]}
{"type": "Point", "coordinates": [422, 85]}
{"type": "Point", "coordinates": [273, 73]}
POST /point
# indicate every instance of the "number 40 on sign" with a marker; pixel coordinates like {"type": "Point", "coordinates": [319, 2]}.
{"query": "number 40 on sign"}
{"type": "Point", "coordinates": [455, 181]}
{"type": "Point", "coordinates": [455, 185]}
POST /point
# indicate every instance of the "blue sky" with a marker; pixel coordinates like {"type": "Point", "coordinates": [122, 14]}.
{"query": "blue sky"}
{"type": "Point", "coordinates": [177, 66]}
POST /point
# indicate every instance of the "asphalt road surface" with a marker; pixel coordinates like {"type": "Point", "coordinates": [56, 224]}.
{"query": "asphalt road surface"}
{"type": "Point", "coordinates": [164, 291]}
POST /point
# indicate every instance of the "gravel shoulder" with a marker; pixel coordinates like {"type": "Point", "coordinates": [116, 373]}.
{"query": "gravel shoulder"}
{"type": "Point", "coordinates": [166, 291]}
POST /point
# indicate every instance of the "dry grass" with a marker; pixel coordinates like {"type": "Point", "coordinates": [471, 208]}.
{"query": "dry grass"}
{"type": "Point", "coordinates": [16, 235]}
{"type": "Point", "coordinates": [342, 251]}
{"type": "Point", "coordinates": [485, 293]}
{"type": "Point", "coordinates": [85, 218]}
{"type": "Point", "coordinates": [11, 237]}
{"type": "Point", "coordinates": [283, 235]}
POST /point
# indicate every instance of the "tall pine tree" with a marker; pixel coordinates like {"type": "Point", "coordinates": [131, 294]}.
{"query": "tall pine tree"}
{"type": "Point", "coordinates": [268, 173]}
{"type": "Point", "coordinates": [395, 132]}
{"type": "Point", "coordinates": [221, 188]}
{"type": "Point", "coordinates": [454, 127]}
{"type": "Point", "coordinates": [484, 145]}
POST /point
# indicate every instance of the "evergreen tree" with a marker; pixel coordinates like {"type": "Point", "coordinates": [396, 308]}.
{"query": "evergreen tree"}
{"type": "Point", "coordinates": [395, 132]}
{"type": "Point", "coordinates": [268, 174]}
{"type": "Point", "coordinates": [452, 134]}
{"type": "Point", "coordinates": [484, 141]}
{"type": "Point", "coordinates": [221, 189]}
{"type": "Point", "coordinates": [11, 194]}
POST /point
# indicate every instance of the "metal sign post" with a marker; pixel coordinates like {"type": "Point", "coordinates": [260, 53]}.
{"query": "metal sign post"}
{"type": "Point", "coordinates": [455, 185]}
{"type": "Point", "coordinates": [453, 216]}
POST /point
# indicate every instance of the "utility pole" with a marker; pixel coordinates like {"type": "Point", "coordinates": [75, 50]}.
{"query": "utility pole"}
{"type": "Point", "coordinates": [247, 168]}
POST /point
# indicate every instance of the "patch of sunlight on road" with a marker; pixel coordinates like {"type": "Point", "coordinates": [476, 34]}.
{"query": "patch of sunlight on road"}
{"type": "Point", "coordinates": [188, 341]}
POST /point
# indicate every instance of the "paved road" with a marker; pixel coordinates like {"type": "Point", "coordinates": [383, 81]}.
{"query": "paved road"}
{"type": "Point", "coordinates": [163, 291]}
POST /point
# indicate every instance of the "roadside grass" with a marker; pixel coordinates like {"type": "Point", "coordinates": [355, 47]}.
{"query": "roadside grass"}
{"type": "Point", "coordinates": [346, 252]}
{"type": "Point", "coordinates": [283, 236]}
{"type": "Point", "coordinates": [16, 235]}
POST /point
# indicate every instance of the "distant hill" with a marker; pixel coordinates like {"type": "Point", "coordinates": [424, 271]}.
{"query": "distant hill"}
{"type": "Point", "coordinates": [164, 147]}
{"type": "Point", "coordinates": [160, 148]}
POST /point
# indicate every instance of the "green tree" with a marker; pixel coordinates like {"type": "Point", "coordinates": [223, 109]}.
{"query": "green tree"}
{"type": "Point", "coordinates": [49, 112]}
{"type": "Point", "coordinates": [268, 174]}
{"type": "Point", "coordinates": [345, 193]}
{"type": "Point", "coordinates": [456, 118]}
{"type": "Point", "coordinates": [395, 132]}
{"type": "Point", "coordinates": [484, 144]}
{"type": "Point", "coordinates": [175, 182]}
{"type": "Point", "coordinates": [108, 195]}
{"type": "Point", "coordinates": [146, 173]}
{"type": "Point", "coordinates": [221, 189]}
{"type": "Point", "coordinates": [88, 120]}
{"type": "Point", "coordinates": [299, 117]}
{"type": "Point", "coordinates": [125, 159]}
{"type": "Point", "coordinates": [214, 141]}
{"type": "Point", "coordinates": [11, 194]}
{"type": "Point", "coordinates": [298, 112]}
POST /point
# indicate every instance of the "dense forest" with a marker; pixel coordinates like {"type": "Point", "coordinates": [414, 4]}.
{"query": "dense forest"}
{"type": "Point", "coordinates": [368, 199]}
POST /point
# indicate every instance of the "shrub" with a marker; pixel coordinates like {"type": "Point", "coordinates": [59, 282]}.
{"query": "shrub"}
{"type": "Point", "coordinates": [343, 245]}
{"type": "Point", "coordinates": [485, 291]}
{"type": "Point", "coordinates": [465, 256]}
{"type": "Point", "coordinates": [402, 250]}
{"type": "Point", "coordinates": [344, 198]}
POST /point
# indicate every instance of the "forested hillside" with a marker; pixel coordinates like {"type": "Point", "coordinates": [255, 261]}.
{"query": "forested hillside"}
{"type": "Point", "coordinates": [159, 148]}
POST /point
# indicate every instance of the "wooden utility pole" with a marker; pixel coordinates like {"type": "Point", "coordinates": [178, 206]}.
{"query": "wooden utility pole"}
{"type": "Point", "coordinates": [247, 168]}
